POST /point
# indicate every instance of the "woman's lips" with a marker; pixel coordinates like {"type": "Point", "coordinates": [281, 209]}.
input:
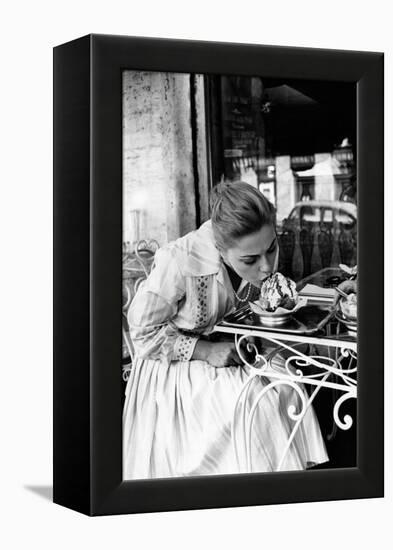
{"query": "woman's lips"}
{"type": "Point", "coordinates": [265, 276]}
{"type": "Point", "coordinates": [258, 283]}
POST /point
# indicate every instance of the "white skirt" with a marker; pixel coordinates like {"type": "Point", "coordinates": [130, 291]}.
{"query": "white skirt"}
{"type": "Point", "coordinates": [177, 421]}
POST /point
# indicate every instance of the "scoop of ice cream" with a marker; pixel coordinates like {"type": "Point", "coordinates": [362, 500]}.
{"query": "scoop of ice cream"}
{"type": "Point", "coordinates": [349, 305]}
{"type": "Point", "coordinates": [278, 291]}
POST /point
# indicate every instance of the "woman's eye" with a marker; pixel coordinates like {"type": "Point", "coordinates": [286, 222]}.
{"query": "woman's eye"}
{"type": "Point", "coordinates": [249, 262]}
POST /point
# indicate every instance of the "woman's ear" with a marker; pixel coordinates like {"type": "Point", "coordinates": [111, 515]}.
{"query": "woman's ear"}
{"type": "Point", "coordinates": [223, 253]}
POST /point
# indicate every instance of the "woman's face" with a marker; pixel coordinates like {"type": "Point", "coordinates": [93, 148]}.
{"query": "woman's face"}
{"type": "Point", "coordinates": [253, 256]}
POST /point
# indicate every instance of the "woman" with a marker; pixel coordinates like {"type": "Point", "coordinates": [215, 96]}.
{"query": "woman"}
{"type": "Point", "coordinates": [183, 386]}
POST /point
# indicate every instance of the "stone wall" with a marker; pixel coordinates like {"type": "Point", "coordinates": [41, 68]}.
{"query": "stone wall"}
{"type": "Point", "coordinates": [158, 179]}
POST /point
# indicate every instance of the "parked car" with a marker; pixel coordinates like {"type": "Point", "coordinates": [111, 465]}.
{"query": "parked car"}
{"type": "Point", "coordinates": [335, 215]}
{"type": "Point", "coordinates": [318, 234]}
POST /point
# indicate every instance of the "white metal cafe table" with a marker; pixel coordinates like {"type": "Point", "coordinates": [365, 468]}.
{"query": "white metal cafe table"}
{"type": "Point", "coordinates": [330, 362]}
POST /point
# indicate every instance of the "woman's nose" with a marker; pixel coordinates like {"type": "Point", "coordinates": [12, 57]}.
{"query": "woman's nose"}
{"type": "Point", "coordinates": [264, 265]}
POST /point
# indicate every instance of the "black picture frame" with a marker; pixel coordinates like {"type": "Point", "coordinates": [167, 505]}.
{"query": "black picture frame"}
{"type": "Point", "coordinates": [88, 275]}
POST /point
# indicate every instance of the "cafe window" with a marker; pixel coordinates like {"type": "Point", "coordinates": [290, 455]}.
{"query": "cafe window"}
{"type": "Point", "coordinates": [294, 140]}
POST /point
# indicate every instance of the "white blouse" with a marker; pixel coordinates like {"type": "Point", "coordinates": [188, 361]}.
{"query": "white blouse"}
{"type": "Point", "coordinates": [186, 294]}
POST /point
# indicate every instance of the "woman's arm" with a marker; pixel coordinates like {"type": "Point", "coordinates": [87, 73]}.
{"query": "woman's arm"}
{"type": "Point", "coordinates": [156, 303]}
{"type": "Point", "coordinates": [152, 331]}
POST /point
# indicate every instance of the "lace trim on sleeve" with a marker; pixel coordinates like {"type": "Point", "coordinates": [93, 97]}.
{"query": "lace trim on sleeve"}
{"type": "Point", "coordinates": [184, 347]}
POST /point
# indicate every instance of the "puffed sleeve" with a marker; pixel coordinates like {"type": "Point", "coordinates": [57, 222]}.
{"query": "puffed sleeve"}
{"type": "Point", "coordinates": [155, 304]}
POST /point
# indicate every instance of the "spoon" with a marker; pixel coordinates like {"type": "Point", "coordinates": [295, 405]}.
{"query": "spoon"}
{"type": "Point", "coordinates": [341, 292]}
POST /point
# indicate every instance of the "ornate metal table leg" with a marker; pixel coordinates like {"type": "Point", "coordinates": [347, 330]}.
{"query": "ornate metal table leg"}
{"type": "Point", "coordinates": [294, 377]}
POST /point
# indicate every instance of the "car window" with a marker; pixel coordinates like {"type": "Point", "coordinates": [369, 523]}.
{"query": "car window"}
{"type": "Point", "coordinates": [345, 219]}
{"type": "Point", "coordinates": [310, 214]}
{"type": "Point", "coordinates": [294, 215]}
{"type": "Point", "coordinates": [328, 215]}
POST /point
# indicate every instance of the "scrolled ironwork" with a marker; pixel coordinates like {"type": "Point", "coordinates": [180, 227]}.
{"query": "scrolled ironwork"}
{"type": "Point", "coordinates": [340, 367]}
{"type": "Point", "coordinates": [260, 362]}
{"type": "Point", "coordinates": [347, 421]}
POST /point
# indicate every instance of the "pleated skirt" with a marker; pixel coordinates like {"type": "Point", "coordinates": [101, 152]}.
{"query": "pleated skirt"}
{"type": "Point", "coordinates": [177, 421]}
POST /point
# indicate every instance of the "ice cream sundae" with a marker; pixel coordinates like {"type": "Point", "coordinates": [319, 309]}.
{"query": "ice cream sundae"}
{"type": "Point", "coordinates": [278, 291]}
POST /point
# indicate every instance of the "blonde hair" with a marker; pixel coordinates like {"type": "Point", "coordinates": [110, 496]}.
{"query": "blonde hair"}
{"type": "Point", "coordinates": [238, 209]}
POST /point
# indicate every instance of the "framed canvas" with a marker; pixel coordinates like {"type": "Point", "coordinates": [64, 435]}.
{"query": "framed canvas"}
{"type": "Point", "coordinates": [145, 130]}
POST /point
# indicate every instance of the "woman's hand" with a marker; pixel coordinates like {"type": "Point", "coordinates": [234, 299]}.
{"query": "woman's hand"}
{"type": "Point", "coordinates": [217, 354]}
{"type": "Point", "coordinates": [223, 354]}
